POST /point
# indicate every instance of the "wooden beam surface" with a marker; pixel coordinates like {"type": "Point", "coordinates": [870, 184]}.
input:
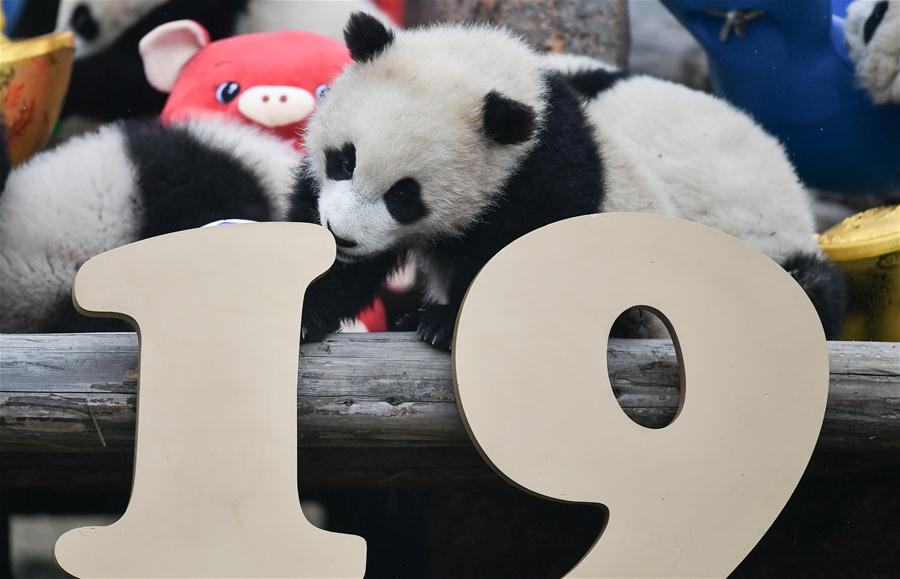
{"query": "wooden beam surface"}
{"type": "Point", "coordinates": [76, 393]}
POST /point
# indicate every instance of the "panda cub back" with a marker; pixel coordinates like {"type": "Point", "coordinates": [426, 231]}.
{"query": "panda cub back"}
{"type": "Point", "coordinates": [453, 141]}
{"type": "Point", "coordinates": [120, 184]}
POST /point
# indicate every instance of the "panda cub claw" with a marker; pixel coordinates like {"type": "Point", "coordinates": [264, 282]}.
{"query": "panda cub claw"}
{"type": "Point", "coordinates": [433, 324]}
{"type": "Point", "coordinates": [408, 322]}
{"type": "Point", "coordinates": [315, 329]}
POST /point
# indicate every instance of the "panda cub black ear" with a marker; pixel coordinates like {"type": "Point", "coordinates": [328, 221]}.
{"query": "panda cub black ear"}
{"type": "Point", "coordinates": [507, 121]}
{"type": "Point", "coordinates": [874, 19]}
{"type": "Point", "coordinates": [366, 36]}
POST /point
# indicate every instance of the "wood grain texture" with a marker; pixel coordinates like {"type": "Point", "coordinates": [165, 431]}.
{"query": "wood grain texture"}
{"type": "Point", "coordinates": [76, 393]}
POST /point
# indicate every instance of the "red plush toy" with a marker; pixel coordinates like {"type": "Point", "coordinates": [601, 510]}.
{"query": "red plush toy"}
{"type": "Point", "coordinates": [272, 79]}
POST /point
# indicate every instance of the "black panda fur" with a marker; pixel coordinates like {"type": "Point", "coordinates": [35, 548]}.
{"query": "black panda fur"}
{"type": "Point", "coordinates": [108, 81]}
{"type": "Point", "coordinates": [110, 84]}
{"type": "Point", "coordinates": [590, 83]}
{"type": "Point", "coordinates": [562, 176]}
{"type": "Point", "coordinates": [824, 285]}
{"type": "Point", "coordinates": [819, 278]}
{"type": "Point", "coordinates": [183, 183]}
{"type": "Point", "coordinates": [125, 182]}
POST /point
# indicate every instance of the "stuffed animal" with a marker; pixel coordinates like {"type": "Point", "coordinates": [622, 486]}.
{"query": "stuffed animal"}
{"type": "Point", "coordinates": [108, 80]}
{"type": "Point", "coordinates": [873, 36]}
{"type": "Point", "coordinates": [451, 142]}
{"type": "Point", "coordinates": [786, 64]}
{"type": "Point", "coordinates": [272, 80]}
{"type": "Point", "coordinates": [136, 179]}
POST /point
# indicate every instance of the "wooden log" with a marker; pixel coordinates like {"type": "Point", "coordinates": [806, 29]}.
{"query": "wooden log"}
{"type": "Point", "coordinates": [76, 393]}
{"type": "Point", "coordinates": [596, 28]}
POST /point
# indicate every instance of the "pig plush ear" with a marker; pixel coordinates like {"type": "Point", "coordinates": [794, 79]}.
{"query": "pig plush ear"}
{"type": "Point", "coordinates": [167, 48]}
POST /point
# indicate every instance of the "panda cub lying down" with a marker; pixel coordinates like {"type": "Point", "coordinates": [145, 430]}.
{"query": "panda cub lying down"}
{"type": "Point", "coordinates": [125, 182]}
{"type": "Point", "coordinates": [448, 143]}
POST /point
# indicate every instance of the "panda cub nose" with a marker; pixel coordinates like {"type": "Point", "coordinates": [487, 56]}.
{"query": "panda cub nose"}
{"type": "Point", "coordinates": [340, 241]}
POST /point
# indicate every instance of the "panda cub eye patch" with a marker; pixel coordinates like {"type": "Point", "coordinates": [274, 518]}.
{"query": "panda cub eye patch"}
{"type": "Point", "coordinates": [404, 201]}
{"type": "Point", "coordinates": [83, 23]}
{"type": "Point", "coordinates": [339, 164]}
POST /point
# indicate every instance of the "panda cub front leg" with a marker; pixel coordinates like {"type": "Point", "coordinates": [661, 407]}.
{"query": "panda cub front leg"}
{"type": "Point", "coordinates": [447, 275]}
{"type": "Point", "coordinates": [341, 293]}
{"type": "Point", "coordinates": [433, 322]}
{"type": "Point", "coordinates": [347, 287]}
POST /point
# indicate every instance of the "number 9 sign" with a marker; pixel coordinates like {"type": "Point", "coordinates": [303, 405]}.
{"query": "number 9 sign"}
{"type": "Point", "coordinates": [687, 500]}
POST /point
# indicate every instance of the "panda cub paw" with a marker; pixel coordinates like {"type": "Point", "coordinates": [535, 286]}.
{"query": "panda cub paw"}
{"type": "Point", "coordinates": [433, 324]}
{"type": "Point", "coordinates": [436, 326]}
{"type": "Point", "coordinates": [315, 328]}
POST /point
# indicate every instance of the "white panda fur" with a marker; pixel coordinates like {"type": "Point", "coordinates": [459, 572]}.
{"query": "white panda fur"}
{"type": "Point", "coordinates": [325, 17]}
{"type": "Point", "coordinates": [645, 123]}
{"type": "Point", "coordinates": [90, 195]}
{"type": "Point", "coordinates": [673, 151]}
{"type": "Point", "coordinates": [574, 63]}
{"type": "Point", "coordinates": [51, 221]}
{"type": "Point", "coordinates": [631, 144]}
{"type": "Point", "coordinates": [872, 31]}
{"type": "Point", "coordinates": [457, 164]}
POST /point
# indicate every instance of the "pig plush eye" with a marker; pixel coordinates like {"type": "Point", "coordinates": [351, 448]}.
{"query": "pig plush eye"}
{"type": "Point", "coordinates": [321, 91]}
{"type": "Point", "coordinates": [227, 91]}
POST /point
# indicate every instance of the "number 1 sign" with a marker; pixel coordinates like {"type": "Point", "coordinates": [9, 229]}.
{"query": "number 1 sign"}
{"type": "Point", "coordinates": [215, 472]}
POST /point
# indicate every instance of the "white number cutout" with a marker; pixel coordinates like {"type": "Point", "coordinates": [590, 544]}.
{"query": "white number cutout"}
{"type": "Point", "coordinates": [215, 474]}
{"type": "Point", "coordinates": [687, 500]}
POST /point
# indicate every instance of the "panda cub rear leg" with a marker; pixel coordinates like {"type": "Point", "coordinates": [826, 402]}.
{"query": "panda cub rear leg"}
{"type": "Point", "coordinates": [823, 283]}
{"type": "Point", "coordinates": [818, 277]}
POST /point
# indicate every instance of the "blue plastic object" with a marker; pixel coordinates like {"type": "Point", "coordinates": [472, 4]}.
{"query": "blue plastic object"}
{"type": "Point", "coordinates": [786, 63]}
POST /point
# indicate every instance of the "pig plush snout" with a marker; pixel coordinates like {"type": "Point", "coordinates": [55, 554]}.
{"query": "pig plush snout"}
{"type": "Point", "coordinates": [274, 105]}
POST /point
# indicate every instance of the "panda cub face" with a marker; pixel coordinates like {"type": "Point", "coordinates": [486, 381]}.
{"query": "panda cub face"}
{"type": "Point", "coordinates": [416, 138]}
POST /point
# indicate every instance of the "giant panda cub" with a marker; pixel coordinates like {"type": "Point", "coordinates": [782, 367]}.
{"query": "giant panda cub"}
{"type": "Point", "coordinates": [125, 182]}
{"type": "Point", "coordinates": [448, 143]}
